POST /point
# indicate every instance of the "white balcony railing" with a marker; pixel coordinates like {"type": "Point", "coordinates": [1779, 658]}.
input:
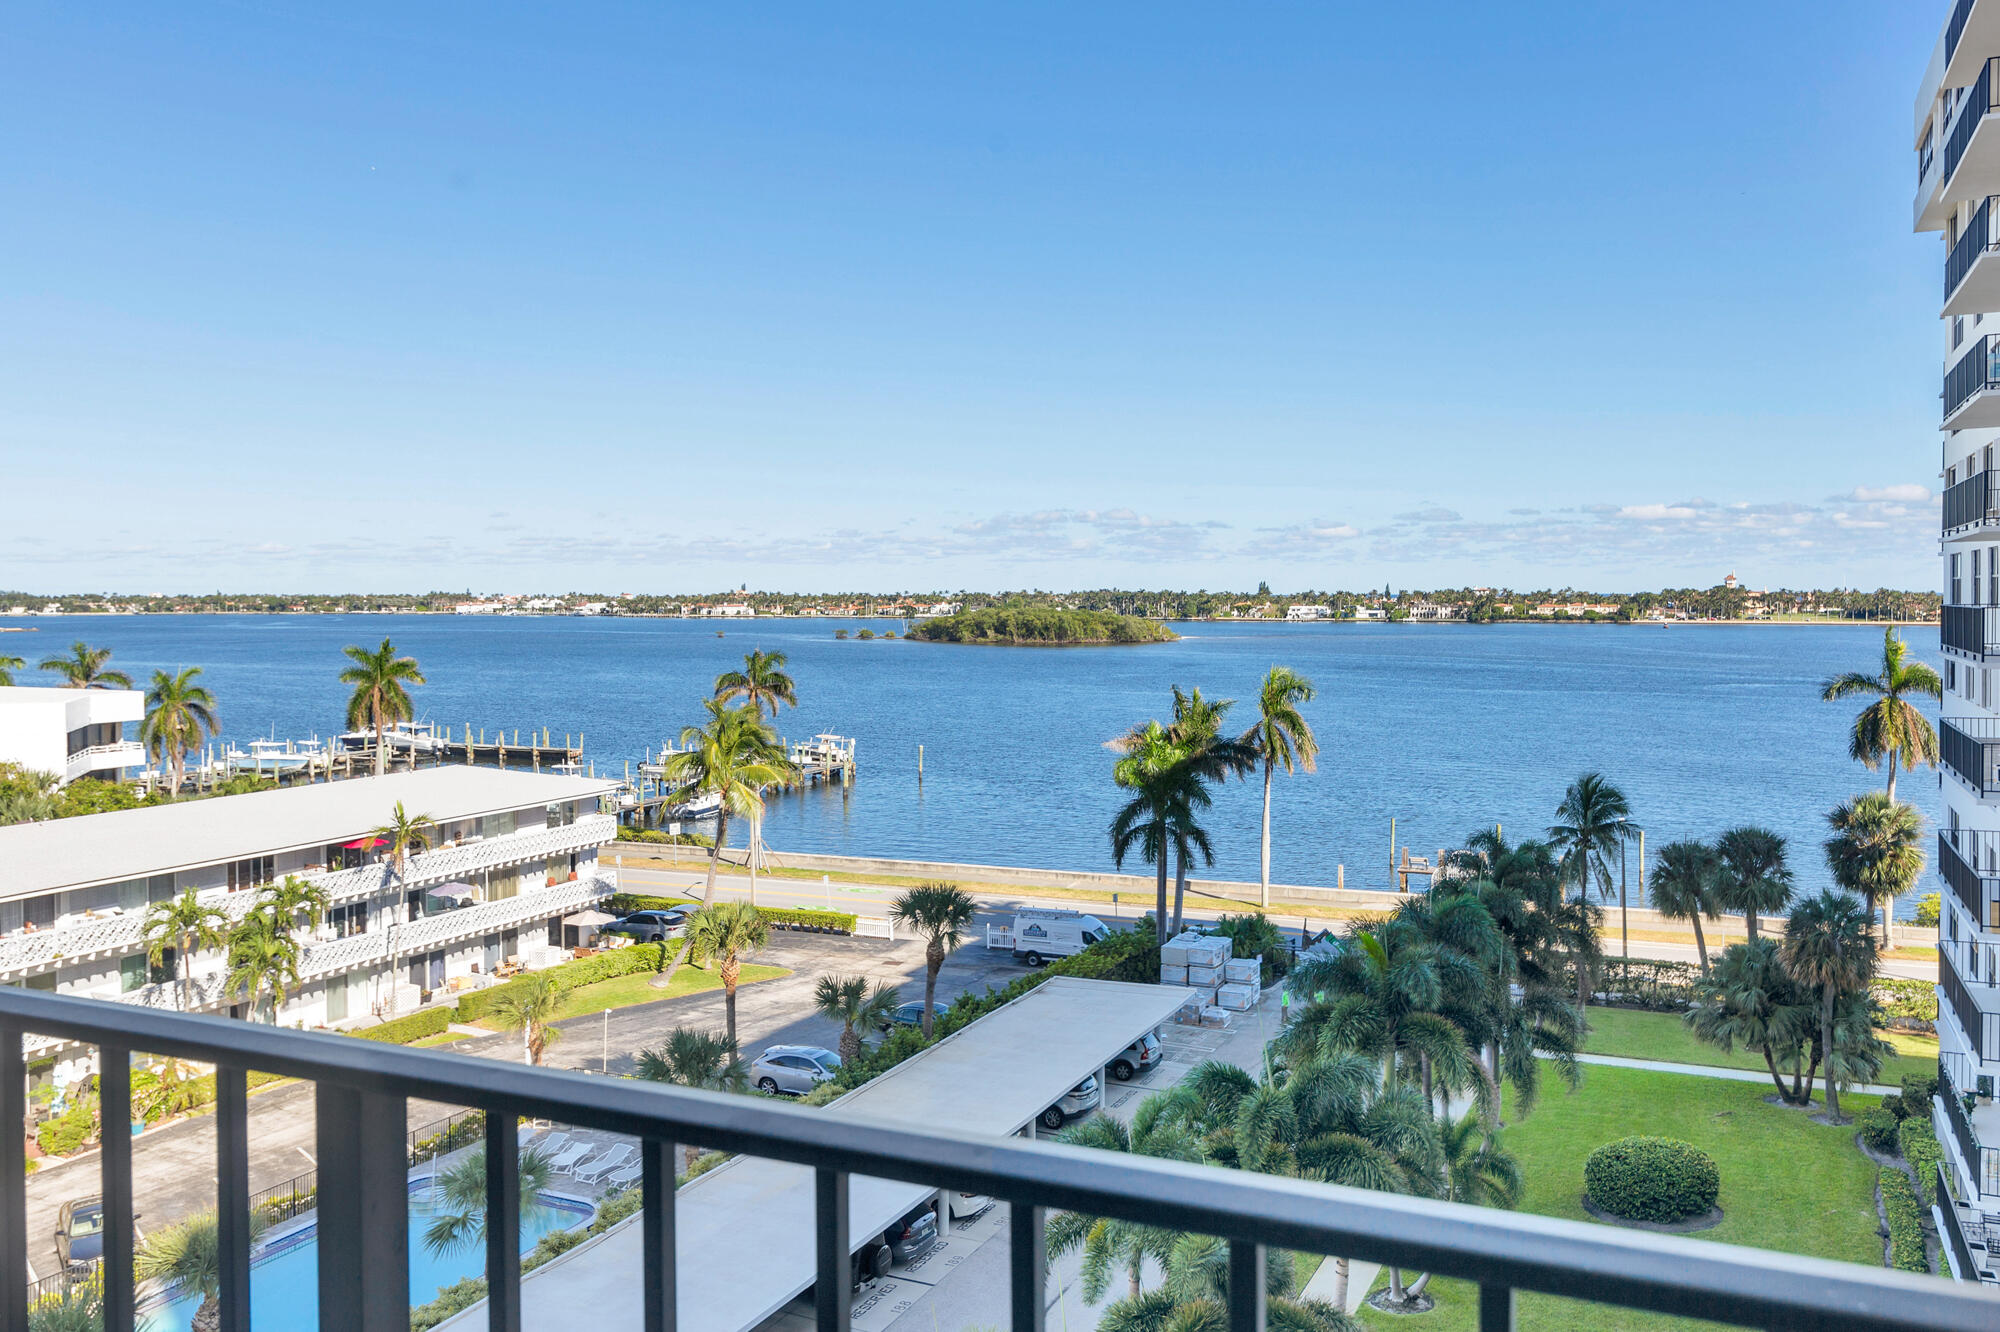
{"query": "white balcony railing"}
{"type": "Point", "coordinates": [124, 754]}
{"type": "Point", "coordinates": [116, 935]}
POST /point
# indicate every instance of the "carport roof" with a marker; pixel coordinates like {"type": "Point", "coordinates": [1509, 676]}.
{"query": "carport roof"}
{"type": "Point", "coordinates": [745, 1230]}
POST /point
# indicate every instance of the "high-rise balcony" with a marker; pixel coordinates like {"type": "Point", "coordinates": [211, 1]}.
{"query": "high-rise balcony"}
{"type": "Point", "coordinates": [1972, 386]}
{"type": "Point", "coordinates": [1970, 750]}
{"type": "Point", "coordinates": [361, 1096]}
{"type": "Point", "coordinates": [1972, 269]}
{"type": "Point", "coordinates": [1971, 31]}
{"type": "Point", "coordinates": [1971, 504]}
{"type": "Point", "coordinates": [1970, 165]}
{"type": "Point", "coordinates": [1973, 1005]}
{"type": "Point", "coordinates": [1959, 859]}
{"type": "Point", "coordinates": [1972, 632]}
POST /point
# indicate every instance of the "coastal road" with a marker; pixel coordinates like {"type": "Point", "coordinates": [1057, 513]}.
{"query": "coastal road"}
{"type": "Point", "coordinates": [999, 903]}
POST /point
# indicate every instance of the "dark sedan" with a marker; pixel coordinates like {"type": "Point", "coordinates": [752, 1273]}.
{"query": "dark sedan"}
{"type": "Point", "coordinates": [80, 1232]}
{"type": "Point", "coordinates": [911, 1014]}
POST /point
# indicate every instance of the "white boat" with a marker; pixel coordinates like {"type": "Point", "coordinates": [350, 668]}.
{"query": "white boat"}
{"type": "Point", "coordinates": [411, 737]}
{"type": "Point", "coordinates": [704, 806]}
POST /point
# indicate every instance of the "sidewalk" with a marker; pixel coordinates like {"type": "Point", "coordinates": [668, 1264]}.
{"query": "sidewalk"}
{"type": "Point", "coordinates": [1709, 1071]}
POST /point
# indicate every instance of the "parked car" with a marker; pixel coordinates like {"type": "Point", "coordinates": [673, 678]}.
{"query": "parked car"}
{"type": "Point", "coordinates": [651, 926]}
{"type": "Point", "coordinates": [793, 1069]}
{"type": "Point", "coordinates": [1078, 1100]}
{"type": "Point", "coordinates": [912, 1237]}
{"type": "Point", "coordinates": [911, 1015]}
{"type": "Point", "coordinates": [965, 1206]}
{"type": "Point", "coordinates": [1138, 1057]}
{"type": "Point", "coordinates": [80, 1233]}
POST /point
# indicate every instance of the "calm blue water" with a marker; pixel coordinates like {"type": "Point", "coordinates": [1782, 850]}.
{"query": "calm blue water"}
{"type": "Point", "coordinates": [1443, 728]}
{"type": "Point", "coordinates": [284, 1287]}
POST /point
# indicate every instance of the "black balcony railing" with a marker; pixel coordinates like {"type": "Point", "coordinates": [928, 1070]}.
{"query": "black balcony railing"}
{"type": "Point", "coordinates": [1974, 241]}
{"type": "Point", "coordinates": [1978, 893]}
{"type": "Point", "coordinates": [361, 1095]}
{"type": "Point", "coordinates": [1926, 154]}
{"type": "Point", "coordinates": [1975, 372]}
{"type": "Point", "coordinates": [1972, 501]}
{"type": "Point", "coordinates": [1970, 748]}
{"type": "Point", "coordinates": [1973, 631]}
{"type": "Point", "coordinates": [1953, 1233]}
{"type": "Point", "coordinates": [1972, 108]}
{"type": "Point", "coordinates": [1982, 1028]}
{"type": "Point", "coordinates": [1954, 28]}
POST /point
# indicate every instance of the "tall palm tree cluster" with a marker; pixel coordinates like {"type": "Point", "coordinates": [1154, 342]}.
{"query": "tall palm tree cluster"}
{"type": "Point", "coordinates": [1171, 768]}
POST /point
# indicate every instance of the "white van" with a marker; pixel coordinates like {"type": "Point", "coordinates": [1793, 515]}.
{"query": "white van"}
{"type": "Point", "coordinates": [1041, 933]}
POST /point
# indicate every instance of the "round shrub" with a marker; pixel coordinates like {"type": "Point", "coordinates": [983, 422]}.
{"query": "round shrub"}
{"type": "Point", "coordinates": [1651, 1179]}
{"type": "Point", "coordinates": [1918, 1088]}
{"type": "Point", "coordinates": [1893, 1103]}
{"type": "Point", "coordinates": [1878, 1130]}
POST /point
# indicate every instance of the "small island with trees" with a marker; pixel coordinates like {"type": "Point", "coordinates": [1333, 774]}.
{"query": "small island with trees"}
{"type": "Point", "coordinates": [1041, 626]}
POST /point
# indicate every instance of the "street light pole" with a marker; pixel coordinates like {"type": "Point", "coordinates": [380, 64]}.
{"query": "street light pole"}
{"type": "Point", "coordinates": [1624, 916]}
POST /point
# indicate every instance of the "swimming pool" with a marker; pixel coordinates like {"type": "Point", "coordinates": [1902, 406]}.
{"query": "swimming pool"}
{"type": "Point", "coordinates": [284, 1280]}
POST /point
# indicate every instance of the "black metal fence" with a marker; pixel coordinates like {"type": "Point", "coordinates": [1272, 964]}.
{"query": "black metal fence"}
{"type": "Point", "coordinates": [1970, 502]}
{"type": "Point", "coordinates": [1971, 244]}
{"type": "Point", "coordinates": [1974, 372]}
{"type": "Point", "coordinates": [1977, 893]}
{"type": "Point", "coordinates": [1952, 1232]}
{"type": "Point", "coordinates": [1972, 108]}
{"type": "Point", "coordinates": [1965, 747]}
{"type": "Point", "coordinates": [362, 1090]}
{"type": "Point", "coordinates": [1955, 28]}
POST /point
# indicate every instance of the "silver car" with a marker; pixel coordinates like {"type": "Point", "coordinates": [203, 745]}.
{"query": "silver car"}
{"type": "Point", "coordinates": [793, 1069]}
{"type": "Point", "coordinates": [1078, 1100]}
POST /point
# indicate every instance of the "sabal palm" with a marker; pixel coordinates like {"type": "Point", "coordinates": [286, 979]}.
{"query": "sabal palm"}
{"type": "Point", "coordinates": [1755, 878]}
{"type": "Point", "coordinates": [704, 1060]}
{"type": "Point", "coordinates": [850, 1001]}
{"type": "Point", "coordinates": [733, 756]}
{"type": "Point", "coordinates": [1110, 1245]}
{"type": "Point", "coordinates": [762, 681]}
{"type": "Point", "coordinates": [84, 668]}
{"type": "Point", "coordinates": [1747, 999]}
{"type": "Point", "coordinates": [8, 665]}
{"type": "Point", "coordinates": [1283, 739]}
{"type": "Point", "coordinates": [178, 711]}
{"type": "Point", "coordinates": [1830, 946]}
{"type": "Point", "coordinates": [263, 959]}
{"type": "Point", "coordinates": [1891, 729]}
{"type": "Point", "coordinates": [184, 924]}
{"type": "Point", "coordinates": [1684, 887]}
{"type": "Point", "coordinates": [1166, 795]}
{"type": "Point", "coordinates": [727, 932]}
{"type": "Point", "coordinates": [942, 913]}
{"type": "Point", "coordinates": [530, 1006]}
{"type": "Point", "coordinates": [187, 1254]}
{"type": "Point", "coordinates": [1196, 1273]}
{"type": "Point", "coordinates": [381, 695]}
{"type": "Point", "coordinates": [1876, 849]}
{"type": "Point", "coordinates": [461, 1199]}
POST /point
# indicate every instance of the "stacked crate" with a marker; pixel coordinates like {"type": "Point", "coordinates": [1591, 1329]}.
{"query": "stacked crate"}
{"type": "Point", "coordinates": [1201, 963]}
{"type": "Point", "coordinates": [1240, 988]}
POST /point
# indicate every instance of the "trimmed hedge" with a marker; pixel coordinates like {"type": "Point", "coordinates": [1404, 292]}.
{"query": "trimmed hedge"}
{"type": "Point", "coordinates": [1920, 1148]}
{"type": "Point", "coordinates": [784, 918]}
{"type": "Point", "coordinates": [1879, 1130]}
{"type": "Point", "coordinates": [1918, 1088]}
{"type": "Point", "coordinates": [1913, 1000]}
{"type": "Point", "coordinates": [584, 971]}
{"type": "Point", "coordinates": [411, 1027]}
{"type": "Point", "coordinates": [1906, 1223]}
{"type": "Point", "coordinates": [1656, 984]}
{"type": "Point", "coordinates": [1651, 1179]}
{"type": "Point", "coordinates": [657, 837]}
{"type": "Point", "coordinates": [1893, 1103]}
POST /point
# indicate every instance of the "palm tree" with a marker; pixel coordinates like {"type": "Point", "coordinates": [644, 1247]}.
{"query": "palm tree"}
{"type": "Point", "coordinates": [1891, 728]}
{"type": "Point", "coordinates": [762, 680]}
{"type": "Point", "coordinates": [187, 1255]}
{"type": "Point", "coordinates": [1477, 1171]}
{"type": "Point", "coordinates": [705, 1060]}
{"type": "Point", "coordinates": [295, 901]}
{"type": "Point", "coordinates": [403, 836]}
{"type": "Point", "coordinates": [263, 958]}
{"type": "Point", "coordinates": [1165, 796]}
{"type": "Point", "coordinates": [379, 698]}
{"type": "Point", "coordinates": [1282, 739]}
{"type": "Point", "coordinates": [183, 923]}
{"type": "Point", "coordinates": [530, 1006]}
{"type": "Point", "coordinates": [1876, 850]}
{"type": "Point", "coordinates": [1749, 1000]}
{"type": "Point", "coordinates": [1109, 1244]}
{"type": "Point", "coordinates": [1210, 757]}
{"type": "Point", "coordinates": [730, 932]}
{"type": "Point", "coordinates": [8, 665]}
{"type": "Point", "coordinates": [1830, 945]}
{"type": "Point", "coordinates": [1755, 879]}
{"type": "Point", "coordinates": [1684, 887]}
{"type": "Point", "coordinates": [733, 755]}
{"type": "Point", "coordinates": [461, 1199]}
{"type": "Point", "coordinates": [84, 668]}
{"type": "Point", "coordinates": [30, 796]}
{"type": "Point", "coordinates": [849, 1001]}
{"type": "Point", "coordinates": [1593, 820]}
{"type": "Point", "coordinates": [941, 912]}
{"type": "Point", "coordinates": [178, 711]}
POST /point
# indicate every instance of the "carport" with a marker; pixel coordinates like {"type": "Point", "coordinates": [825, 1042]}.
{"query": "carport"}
{"type": "Point", "coordinates": [745, 1232]}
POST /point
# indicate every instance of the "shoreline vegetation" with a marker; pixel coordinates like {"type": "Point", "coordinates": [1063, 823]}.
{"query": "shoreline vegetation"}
{"type": "Point", "coordinates": [1041, 626]}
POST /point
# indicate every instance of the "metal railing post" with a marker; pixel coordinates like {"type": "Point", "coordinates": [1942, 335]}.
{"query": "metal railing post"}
{"type": "Point", "coordinates": [1496, 1309]}
{"type": "Point", "coordinates": [1028, 1264]}
{"type": "Point", "coordinates": [232, 1196]}
{"type": "Point", "coordinates": [1246, 1286]}
{"type": "Point", "coordinates": [114, 1165]}
{"type": "Point", "coordinates": [832, 1299]}
{"type": "Point", "coordinates": [656, 1191]}
{"type": "Point", "coordinates": [14, 1171]}
{"type": "Point", "coordinates": [503, 1221]}
{"type": "Point", "coordinates": [364, 1211]}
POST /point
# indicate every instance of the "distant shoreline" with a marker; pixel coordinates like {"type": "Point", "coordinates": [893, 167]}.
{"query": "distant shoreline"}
{"type": "Point", "coordinates": [898, 619]}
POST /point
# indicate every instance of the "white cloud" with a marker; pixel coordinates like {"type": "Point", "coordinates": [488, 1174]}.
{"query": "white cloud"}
{"type": "Point", "coordinates": [1907, 494]}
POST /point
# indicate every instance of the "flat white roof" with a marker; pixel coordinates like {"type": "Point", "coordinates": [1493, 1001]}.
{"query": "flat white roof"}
{"type": "Point", "coordinates": [744, 1232]}
{"type": "Point", "coordinates": [131, 843]}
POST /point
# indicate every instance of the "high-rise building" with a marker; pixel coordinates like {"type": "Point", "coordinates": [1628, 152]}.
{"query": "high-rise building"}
{"type": "Point", "coordinates": [1957, 138]}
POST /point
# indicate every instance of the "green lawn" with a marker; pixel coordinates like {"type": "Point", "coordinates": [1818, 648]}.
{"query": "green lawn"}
{"type": "Point", "coordinates": [1662, 1036]}
{"type": "Point", "coordinates": [440, 1038]}
{"type": "Point", "coordinates": [625, 991]}
{"type": "Point", "coordinates": [1787, 1183]}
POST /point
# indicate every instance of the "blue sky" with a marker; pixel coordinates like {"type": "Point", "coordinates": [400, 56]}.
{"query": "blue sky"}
{"type": "Point", "coordinates": [644, 298]}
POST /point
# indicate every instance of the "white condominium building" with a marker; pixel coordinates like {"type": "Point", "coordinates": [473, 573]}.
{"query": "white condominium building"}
{"type": "Point", "coordinates": [512, 854]}
{"type": "Point", "coordinates": [70, 732]}
{"type": "Point", "coordinates": [1957, 137]}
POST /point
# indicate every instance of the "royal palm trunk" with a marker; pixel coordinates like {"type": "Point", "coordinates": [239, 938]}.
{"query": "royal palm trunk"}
{"type": "Point", "coordinates": [1264, 846]}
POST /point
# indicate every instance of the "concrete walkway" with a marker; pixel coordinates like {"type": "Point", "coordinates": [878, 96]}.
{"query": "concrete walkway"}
{"type": "Point", "coordinates": [1709, 1071]}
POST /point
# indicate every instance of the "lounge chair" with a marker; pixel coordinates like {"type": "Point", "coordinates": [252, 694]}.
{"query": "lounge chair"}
{"type": "Point", "coordinates": [566, 1160]}
{"type": "Point", "coordinates": [603, 1165]}
{"type": "Point", "coordinates": [624, 1175]}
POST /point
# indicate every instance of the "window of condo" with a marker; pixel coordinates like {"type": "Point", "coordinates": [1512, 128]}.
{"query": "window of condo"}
{"type": "Point", "coordinates": [1956, 600]}
{"type": "Point", "coordinates": [1951, 682]}
{"type": "Point", "coordinates": [131, 973]}
{"type": "Point", "coordinates": [252, 873]}
{"type": "Point", "coordinates": [1957, 331]}
{"type": "Point", "coordinates": [1976, 557]}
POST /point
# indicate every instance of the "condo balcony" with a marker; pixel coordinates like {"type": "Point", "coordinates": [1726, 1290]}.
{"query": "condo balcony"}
{"type": "Point", "coordinates": [1973, 1003]}
{"type": "Point", "coordinates": [1972, 632]}
{"type": "Point", "coordinates": [1971, 504]}
{"type": "Point", "coordinates": [362, 1091]}
{"type": "Point", "coordinates": [1969, 864]}
{"type": "Point", "coordinates": [1972, 269]}
{"type": "Point", "coordinates": [1970, 163]}
{"type": "Point", "coordinates": [1972, 386]}
{"type": "Point", "coordinates": [1973, 27]}
{"type": "Point", "coordinates": [1970, 750]}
